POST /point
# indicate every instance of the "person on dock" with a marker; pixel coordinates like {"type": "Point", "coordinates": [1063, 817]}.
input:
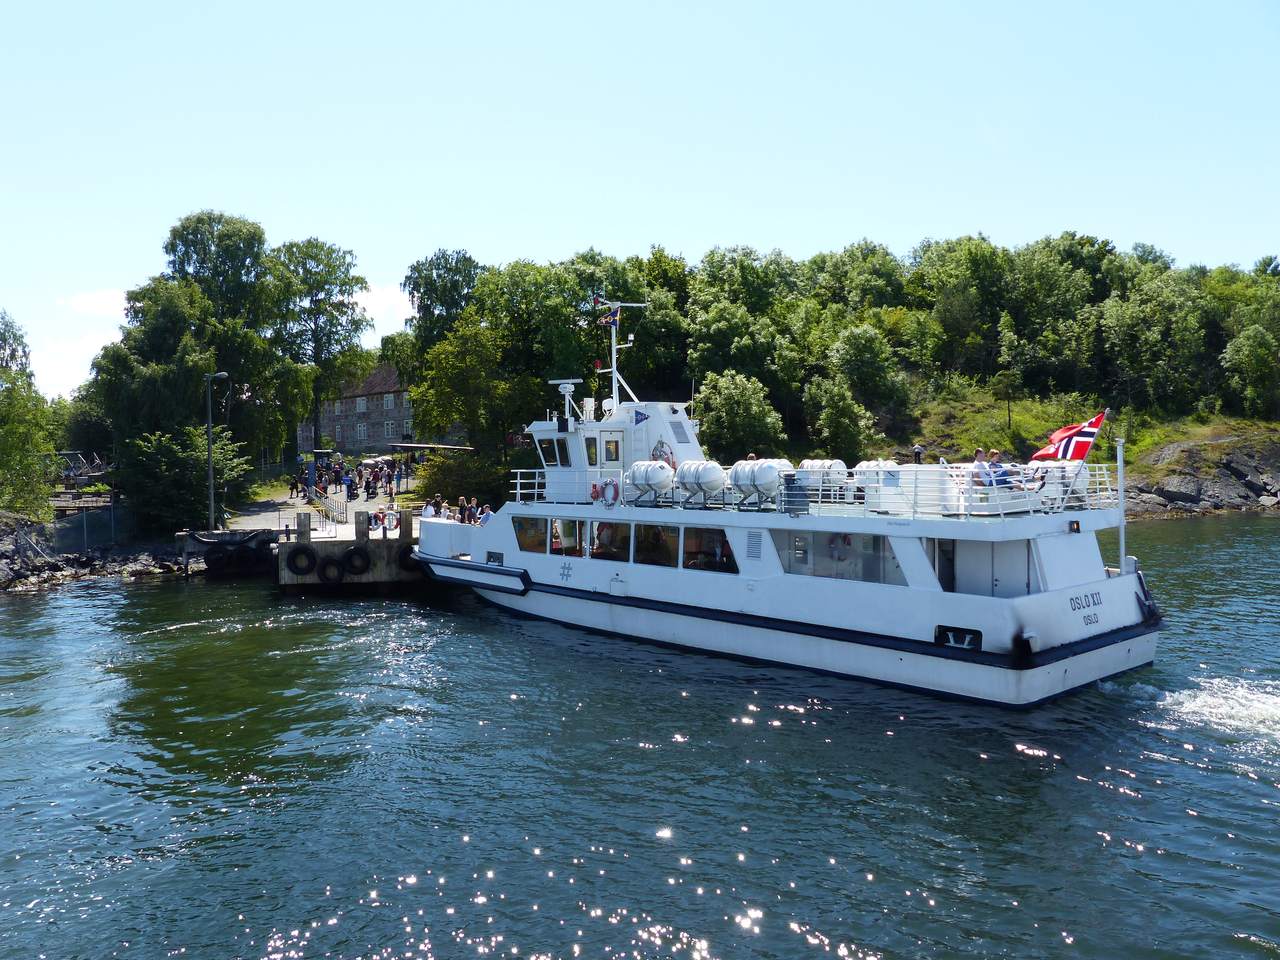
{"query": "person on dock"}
{"type": "Point", "coordinates": [293, 486]}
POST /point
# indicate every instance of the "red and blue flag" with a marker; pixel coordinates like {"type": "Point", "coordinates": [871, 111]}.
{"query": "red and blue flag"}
{"type": "Point", "coordinates": [1071, 442]}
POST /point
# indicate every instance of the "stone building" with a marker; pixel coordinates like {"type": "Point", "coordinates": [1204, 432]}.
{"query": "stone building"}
{"type": "Point", "coordinates": [367, 418]}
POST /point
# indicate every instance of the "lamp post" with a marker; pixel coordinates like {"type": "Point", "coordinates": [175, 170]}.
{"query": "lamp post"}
{"type": "Point", "coordinates": [208, 431]}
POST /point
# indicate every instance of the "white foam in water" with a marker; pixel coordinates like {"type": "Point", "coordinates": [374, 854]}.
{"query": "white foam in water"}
{"type": "Point", "coordinates": [1249, 708]}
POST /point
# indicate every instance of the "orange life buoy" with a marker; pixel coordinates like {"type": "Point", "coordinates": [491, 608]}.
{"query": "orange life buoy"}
{"type": "Point", "coordinates": [662, 451]}
{"type": "Point", "coordinates": [609, 493]}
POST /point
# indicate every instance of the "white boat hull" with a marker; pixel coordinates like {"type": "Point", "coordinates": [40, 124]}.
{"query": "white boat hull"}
{"type": "Point", "coordinates": [1021, 686]}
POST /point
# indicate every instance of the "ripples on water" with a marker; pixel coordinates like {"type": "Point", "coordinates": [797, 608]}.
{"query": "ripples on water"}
{"type": "Point", "coordinates": [218, 771]}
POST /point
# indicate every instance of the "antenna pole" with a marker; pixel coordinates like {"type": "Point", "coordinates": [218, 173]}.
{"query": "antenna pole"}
{"type": "Point", "coordinates": [1124, 564]}
{"type": "Point", "coordinates": [613, 356]}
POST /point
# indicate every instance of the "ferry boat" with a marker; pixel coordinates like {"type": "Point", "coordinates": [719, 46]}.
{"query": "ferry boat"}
{"type": "Point", "coordinates": [912, 575]}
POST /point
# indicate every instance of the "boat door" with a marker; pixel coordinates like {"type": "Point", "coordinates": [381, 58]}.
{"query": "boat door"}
{"type": "Point", "coordinates": [611, 452]}
{"type": "Point", "coordinates": [1010, 571]}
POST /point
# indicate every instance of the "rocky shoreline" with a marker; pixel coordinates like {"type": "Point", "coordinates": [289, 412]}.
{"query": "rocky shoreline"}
{"type": "Point", "coordinates": [1202, 477]}
{"type": "Point", "coordinates": [28, 561]}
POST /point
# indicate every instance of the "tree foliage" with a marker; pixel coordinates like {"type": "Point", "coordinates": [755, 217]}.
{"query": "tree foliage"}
{"type": "Point", "coordinates": [439, 289]}
{"type": "Point", "coordinates": [14, 353]}
{"type": "Point", "coordinates": [736, 417]}
{"type": "Point", "coordinates": [24, 446]}
{"type": "Point", "coordinates": [166, 480]}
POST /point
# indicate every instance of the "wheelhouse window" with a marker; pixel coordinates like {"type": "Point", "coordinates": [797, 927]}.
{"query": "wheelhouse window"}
{"type": "Point", "coordinates": [610, 541]}
{"type": "Point", "coordinates": [613, 451]}
{"type": "Point", "coordinates": [566, 538]}
{"type": "Point", "coordinates": [592, 450]}
{"type": "Point", "coordinates": [531, 533]}
{"type": "Point", "coordinates": [707, 548]}
{"type": "Point", "coordinates": [562, 452]}
{"type": "Point", "coordinates": [657, 545]}
{"type": "Point", "coordinates": [547, 447]}
{"type": "Point", "coordinates": [840, 556]}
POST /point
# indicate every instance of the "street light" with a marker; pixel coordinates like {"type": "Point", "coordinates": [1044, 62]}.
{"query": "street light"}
{"type": "Point", "coordinates": [208, 431]}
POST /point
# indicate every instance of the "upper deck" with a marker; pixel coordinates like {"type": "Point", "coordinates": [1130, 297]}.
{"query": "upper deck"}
{"type": "Point", "coordinates": [908, 491]}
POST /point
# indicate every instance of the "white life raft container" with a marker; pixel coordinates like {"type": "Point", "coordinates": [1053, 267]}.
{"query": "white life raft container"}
{"type": "Point", "coordinates": [651, 476]}
{"type": "Point", "coordinates": [759, 477]}
{"type": "Point", "coordinates": [700, 476]}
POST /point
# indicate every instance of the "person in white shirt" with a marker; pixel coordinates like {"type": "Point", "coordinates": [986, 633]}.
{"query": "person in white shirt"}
{"type": "Point", "coordinates": [428, 511]}
{"type": "Point", "coordinates": [980, 473]}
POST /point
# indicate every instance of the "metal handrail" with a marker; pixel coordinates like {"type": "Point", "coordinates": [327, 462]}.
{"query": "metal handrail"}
{"type": "Point", "coordinates": [332, 507]}
{"type": "Point", "coordinates": [911, 490]}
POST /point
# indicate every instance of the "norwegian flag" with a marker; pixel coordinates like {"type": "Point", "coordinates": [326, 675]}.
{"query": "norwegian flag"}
{"type": "Point", "coordinates": [1073, 442]}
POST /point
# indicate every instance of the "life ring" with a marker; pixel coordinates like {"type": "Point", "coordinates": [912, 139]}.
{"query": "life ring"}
{"type": "Point", "coordinates": [392, 521]}
{"type": "Point", "coordinates": [356, 561]}
{"type": "Point", "coordinates": [301, 561]}
{"type": "Point", "coordinates": [331, 570]}
{"type": "Point", "coordinates": [662, 451]}
{"type": "Point", "coordinates": [609, 493]}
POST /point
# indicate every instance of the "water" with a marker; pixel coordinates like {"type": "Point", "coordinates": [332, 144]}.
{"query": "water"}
{"type": "Point", "coordinates": [213, 771]}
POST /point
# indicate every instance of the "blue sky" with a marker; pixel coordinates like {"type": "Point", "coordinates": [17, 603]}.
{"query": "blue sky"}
{"type": "Point", "coordinates": [537, 130]}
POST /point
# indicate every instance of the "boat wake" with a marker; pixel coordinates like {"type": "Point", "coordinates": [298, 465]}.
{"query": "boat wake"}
{"type": "Point", "coordinates": [1246, 708]}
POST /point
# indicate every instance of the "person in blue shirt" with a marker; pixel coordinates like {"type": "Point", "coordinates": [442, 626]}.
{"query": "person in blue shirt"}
{"type": "Point", "coordinates": [1000, 476]}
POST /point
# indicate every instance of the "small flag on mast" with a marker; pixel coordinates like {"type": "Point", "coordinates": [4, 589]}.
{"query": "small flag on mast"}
{"type": "Point", "coordinates": [610, 319]}
{"type": "Point", "coordinates": [1072, 442]}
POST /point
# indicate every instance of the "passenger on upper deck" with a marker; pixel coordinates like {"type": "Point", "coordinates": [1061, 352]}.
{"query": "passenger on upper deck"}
{"type": "Point", "coordinates": [980, 473]}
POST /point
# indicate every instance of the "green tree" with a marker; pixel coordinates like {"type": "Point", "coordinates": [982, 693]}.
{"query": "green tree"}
{"type": "Point", "coordinates": [24, 446]}
{"type": "Point", "coordinates": [1252, 364]}
{"type": "Point", "coordinates": [225, 257]}
{"type": "Point", "coordinates": [863, 359]}
{"type": "Point", "coordinates": [736, 417]}
{"type": "Point", "coordinates": [439, 289]}
{"type": "Point", "coordinates": [165, 477]}
{"type": "Point", "coordinates": [14, 352]}
{"type": "Point", "coordinates": [1006, 387]}
{"type": "Point", "coordinates": [317, 318]}
{"type": "Point", "coordinates": [839, 425]}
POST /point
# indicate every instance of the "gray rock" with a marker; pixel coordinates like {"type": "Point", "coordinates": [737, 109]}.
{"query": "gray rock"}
{"type": "Point", "coordinates": [1179, 489]}
{"type": "Point", "coordinates": [1268, 501]}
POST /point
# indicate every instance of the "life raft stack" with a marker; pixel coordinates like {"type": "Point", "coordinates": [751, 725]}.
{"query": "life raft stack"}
{"type": "Point", "coordinates": [378, 560]}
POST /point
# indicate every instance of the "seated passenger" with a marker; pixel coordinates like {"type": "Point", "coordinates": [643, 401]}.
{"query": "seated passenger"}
{"type": "Point", "coordinates": [1000, 476]}
{"type": "Point", "coordinates": [980, 472]}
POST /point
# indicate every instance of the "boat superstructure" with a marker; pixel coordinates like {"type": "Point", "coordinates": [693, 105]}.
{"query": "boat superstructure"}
{"type": "Point", "coordinates": [909, 574]}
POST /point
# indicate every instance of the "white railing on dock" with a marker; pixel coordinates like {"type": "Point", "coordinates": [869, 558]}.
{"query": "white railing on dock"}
{"type": "Point", "coordinates": [908, 490]}
{"type": "Point", "coordinates": [335, 508]}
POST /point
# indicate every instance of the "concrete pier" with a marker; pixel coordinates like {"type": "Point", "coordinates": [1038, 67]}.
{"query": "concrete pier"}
{"type": "Point", "coordinates": [374, 561]}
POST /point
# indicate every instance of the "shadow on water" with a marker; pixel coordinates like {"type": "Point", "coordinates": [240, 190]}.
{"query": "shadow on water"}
{"type": "Point", "coordinates": [227, 687]}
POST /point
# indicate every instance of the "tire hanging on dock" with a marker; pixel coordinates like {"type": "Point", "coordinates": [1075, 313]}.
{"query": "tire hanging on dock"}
{"type": "Point", "coordinates": [216, 558]}
{"type": "Point", "coordinates": [301, 561]}
{"type": "Point", "coordinates": [405, 561]}
{"type": "Point", "coordinates": [331, 570]}
{"type": "Point", "coordinates": [356, 561]}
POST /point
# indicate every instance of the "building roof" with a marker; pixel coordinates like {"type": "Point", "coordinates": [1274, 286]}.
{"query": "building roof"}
{"type": "Point", "coordinates": [383, 379]}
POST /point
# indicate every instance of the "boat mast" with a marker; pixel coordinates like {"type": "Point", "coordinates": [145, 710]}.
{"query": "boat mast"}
{"type": "Point", "coordinates": [613, 346]}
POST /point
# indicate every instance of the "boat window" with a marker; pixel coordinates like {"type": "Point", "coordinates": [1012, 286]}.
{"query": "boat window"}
{"type": "Point", "coordinates": [610, 541]}
{"type": "Point", "coordinates": [840, 556]}
{"type": "Point", "coordinates": [591, 451]}
{"type": "Point", "coordinates": [657, 545]}
{"type": "Point", "coordinates": [562, 448]}
{"type": "Point", "coordinates": [678, 431]}
{"type": "Point", "coordinates": [566, 538]}
{"type": "Point", "coordinates": [612, 451]}
{"type": "Point", "coordinates": [942, 557]}
{"type": "Point", "coordinates": [531, 533]}
{"type": "Point", "coordinates": [707, 548]}
{"type": "Point", "coordinates": [547, 447]}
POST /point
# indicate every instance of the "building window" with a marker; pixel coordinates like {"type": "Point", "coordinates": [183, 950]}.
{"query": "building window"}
{"type": "Point", "coordinates": [387, 427]}
{"type": "Point", "coordinates": [362, 404]}
{"type": "Point", "coordinates": [657, 545]}
{"type": "Point", "coordinates": [362, 431]}
{"type": "Point", "coordinates": [388, 401]}
{"type": "Point", "coordinates": [404, 399]}
{"type": "Point", "coordinates": [841, 556]}
{"type": "Point", "coordinates": [611, 541]}
{"type": "Point", "coordinates": [707, 548]}
{"type": "Point", "coordinates": [531, 533]}
{"type": "Point", "coordinates": [566, 538]}
{"type": "Point", "coordinates": [337, 432]}
{"type": "Point", "coordinates": [408, 428]}
{"type": "Point", "coordinates": [337, 408]}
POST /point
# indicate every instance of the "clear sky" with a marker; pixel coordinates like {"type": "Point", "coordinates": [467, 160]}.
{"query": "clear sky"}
{"type": "Point", "coordinates": [540, 129]}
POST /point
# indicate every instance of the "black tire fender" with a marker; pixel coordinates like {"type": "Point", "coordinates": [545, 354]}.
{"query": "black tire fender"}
{"type": "Point", "coordinates": [331, 570]}
{"type": "Point", "coordinates": [405, 561]}
{"type": "Point", "coordinates": [216, 558]}
{"type": "Point", "coordinates": [356, 561]}
{"type": "Point", "coordinates": [243, 557]}
{"type": "Point", "coordinates": [301, 561]}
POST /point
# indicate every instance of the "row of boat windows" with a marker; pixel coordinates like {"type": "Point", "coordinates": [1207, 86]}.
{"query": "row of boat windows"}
{"type": "Point", "coordinates": [699, 548]}
{"type": "Point", "coordinates": [555, 453]}
{"type": "Point", "coordinates": [842, 556]}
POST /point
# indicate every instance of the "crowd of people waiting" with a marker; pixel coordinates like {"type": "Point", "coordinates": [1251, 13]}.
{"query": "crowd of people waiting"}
{"type": "Point", "coordinates": [388, 475]}
{"type": "Point", "coordinates": [465, 512]}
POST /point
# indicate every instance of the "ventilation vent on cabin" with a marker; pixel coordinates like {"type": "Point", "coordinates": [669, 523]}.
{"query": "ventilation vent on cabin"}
{"type": "Point", "coordinates": [754, 540]}
{"type": "Point", "coordinates": [677, 427]}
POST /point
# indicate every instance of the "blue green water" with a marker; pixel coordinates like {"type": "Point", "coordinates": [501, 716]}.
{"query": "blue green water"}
{"type": "Point", "coordinates": [214, 771]}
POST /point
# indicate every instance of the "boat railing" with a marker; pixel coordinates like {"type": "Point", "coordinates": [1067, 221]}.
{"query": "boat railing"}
{"type": "Point", "coordinates": [905, 490]}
